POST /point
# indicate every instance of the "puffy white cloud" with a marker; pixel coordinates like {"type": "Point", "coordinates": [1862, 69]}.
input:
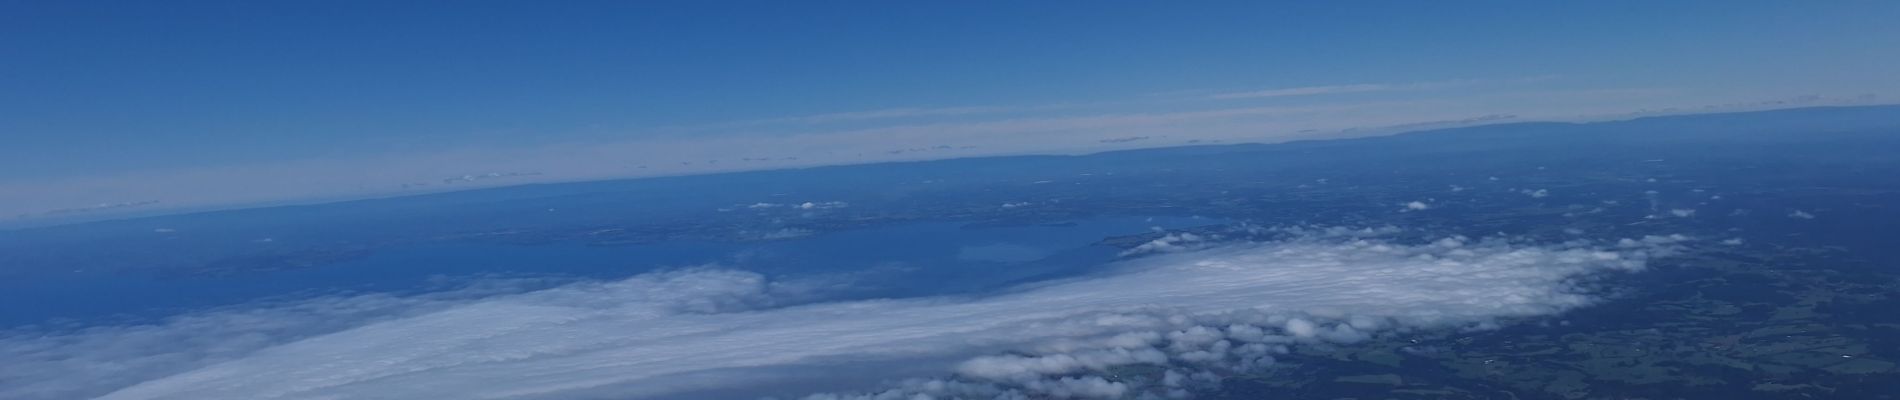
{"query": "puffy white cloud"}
{"type": "Point", "coordinates": [1031, 368]}
{"type": "Point", "coordinates": [822, 205]}
{"type": "Point", "coordinates": [682, 334]}
{"type": "Point", "coordinates": [1539, 193]}
{"type": "Point", "coordinates": [809, 205]}
{"type": "Point", "coordinates": [1171, 243]}
{"type": "Point", "coordinates": [1415, 206]}
{"type": "Point", "coordinates": [1798, 214]}
{"type": "Point", "coordinates": [1682, 212]}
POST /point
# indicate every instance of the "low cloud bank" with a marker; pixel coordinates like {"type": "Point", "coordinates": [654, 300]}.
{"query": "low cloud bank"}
{"type": "Point", "coordinates": [1196, 314]}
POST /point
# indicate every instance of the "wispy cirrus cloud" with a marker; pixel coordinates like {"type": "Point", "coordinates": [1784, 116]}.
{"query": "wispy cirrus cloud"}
{"type": "Point", "coordinates": [966, 111]}
{"type": "Point", "coordinates": [892, 113]}
{"type": "Point", "coordinates": [1367, 88]}
{"type": "Point", "coordinates": [1307, 91]}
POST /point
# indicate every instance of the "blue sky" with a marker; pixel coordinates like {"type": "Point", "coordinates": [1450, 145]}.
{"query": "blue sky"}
{"type": "Point", "coordinates": [224, 103]}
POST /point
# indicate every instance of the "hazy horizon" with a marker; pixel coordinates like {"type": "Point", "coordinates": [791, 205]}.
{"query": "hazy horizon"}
{"type": "Point", "coordinates": [184, 107]}
{"type": "Point", "coordinates": [149, 208]}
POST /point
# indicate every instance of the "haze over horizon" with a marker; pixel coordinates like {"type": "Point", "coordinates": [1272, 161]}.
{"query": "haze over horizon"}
{"type": "Point", "coordinates": [119, 107]}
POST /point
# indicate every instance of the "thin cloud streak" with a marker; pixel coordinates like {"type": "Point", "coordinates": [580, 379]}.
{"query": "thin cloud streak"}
{"type": "Point", "coordinates": [893, 113]}
{"type": "Point", "coordinates": [1307, 91]}
{"type": "Point", "coordinates": [1371, 87]}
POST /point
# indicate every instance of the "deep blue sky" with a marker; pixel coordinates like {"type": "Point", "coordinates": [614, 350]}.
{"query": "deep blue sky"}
{"type": "Point", "coordinates": [194, 94]}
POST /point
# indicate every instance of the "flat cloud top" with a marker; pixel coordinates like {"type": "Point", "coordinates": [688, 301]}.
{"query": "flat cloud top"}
{"type": "Point", "coordinates": [679, 333]}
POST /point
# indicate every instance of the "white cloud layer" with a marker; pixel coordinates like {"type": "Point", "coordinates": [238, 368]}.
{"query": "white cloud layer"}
{"type": "Point", "coordinates": [721, 334]}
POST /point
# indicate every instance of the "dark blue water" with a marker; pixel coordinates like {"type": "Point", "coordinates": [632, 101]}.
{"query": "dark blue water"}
{"type": "Point", "coordinates": [896, 261]}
